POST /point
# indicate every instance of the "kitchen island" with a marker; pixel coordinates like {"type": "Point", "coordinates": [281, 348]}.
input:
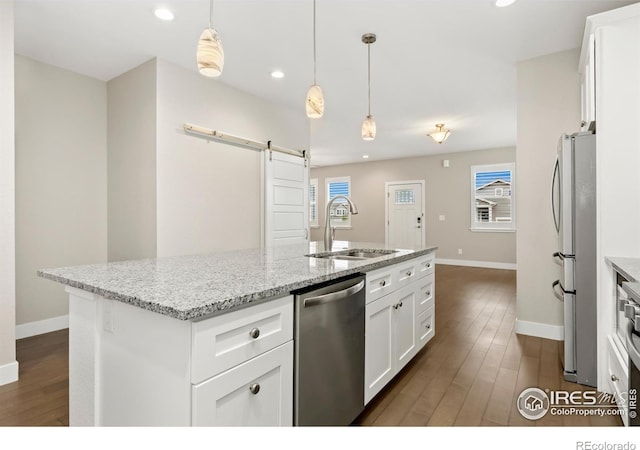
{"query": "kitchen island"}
{"type": "Point", "coordinates": [159, 341]}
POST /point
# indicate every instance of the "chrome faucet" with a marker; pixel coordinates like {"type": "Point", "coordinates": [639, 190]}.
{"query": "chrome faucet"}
{"type": "Point", "coordinates": [329, 231]}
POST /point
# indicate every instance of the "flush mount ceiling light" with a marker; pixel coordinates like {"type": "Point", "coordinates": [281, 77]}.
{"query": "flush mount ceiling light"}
{"type": "Point", "coordinates": [369, 125]}
{"type": "Point", "coordinates": [440, 134]}
{"type": "Point", "coordinates": [210, 54]}
{"type": "Point", "coordinates": [163, 14]}
{"type": "Point", "coordinates": [277, 74]}
{"type": "Point", "coordinates": [503, 3]}
{"type": "Point", "coordinates": [315, 99]}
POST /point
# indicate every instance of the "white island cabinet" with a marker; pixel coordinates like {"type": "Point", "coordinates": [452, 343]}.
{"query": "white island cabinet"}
{"type": "Point", "coordinates": [129, 366]}
{"type": "Point", "coordinates": [399, 319]}
{"type": "Point", "coordinates": [208, 340]}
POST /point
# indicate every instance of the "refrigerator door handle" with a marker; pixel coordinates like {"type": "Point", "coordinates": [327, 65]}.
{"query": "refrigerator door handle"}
{"type": "Point", "coordinates": [559, 295]}
{"type": "Point", "coordinates": [558, 258]}
{"type": "Point", "coordinates": [555, 179]}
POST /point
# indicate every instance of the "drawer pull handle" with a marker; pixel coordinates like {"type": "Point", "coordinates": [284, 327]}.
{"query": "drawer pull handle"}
{"type": "Point", "coordinates": [614, 378]}
{"type": "Point", "coordinates": [400, 304]}
{"type": "Point", "coordinates": [408, 273]}
{"type": "Point", "coordinates": [383, 283]}
{"type": "Point", "coordinates": [428, 326]}
{"type": "Point", "coordinates": [396, 306]}
{"type": "Point", "coordinates": [429, 265]}
{"type": "Point", "coordinates": [254, 388]}
{"type": "Point", "coordinates": [428, 293]}
{"type": "Point", "coordinates": [254, 333]}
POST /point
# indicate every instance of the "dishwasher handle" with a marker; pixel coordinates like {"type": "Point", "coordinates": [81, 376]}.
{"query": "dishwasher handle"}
{"type": "Point", "coordinates": [333, 296]}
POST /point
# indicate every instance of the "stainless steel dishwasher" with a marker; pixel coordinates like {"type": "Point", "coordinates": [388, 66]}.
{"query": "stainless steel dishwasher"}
{"type": "Point", "coordinates": [329, 353]}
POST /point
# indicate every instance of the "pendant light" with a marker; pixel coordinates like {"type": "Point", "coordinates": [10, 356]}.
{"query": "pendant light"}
{"type": "Point", "coordinates": [315, 99]}
{"type": "Point", "coordinates": [210, 54]}
{"type": "Point", "coordinates": [440, 134]}
{"type": "Point", "coordinates": [369, 125]}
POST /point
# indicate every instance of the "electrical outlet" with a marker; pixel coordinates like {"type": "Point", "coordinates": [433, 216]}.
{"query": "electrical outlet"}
{"type": "Point", "coordinates": [459, 251]}
{"type": "Point", "coordinates": [441, 217]}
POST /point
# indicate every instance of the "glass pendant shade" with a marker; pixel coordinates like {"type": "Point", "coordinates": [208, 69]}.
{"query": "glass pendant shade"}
{"type": "Point", "coordinates": [315, 102]}
{"type": "Point", "coordinates": [441, 134]}
{"type": "Point", "coordinates": [369, 129]}
{"type": "Point", "coordinates": [210, 54]}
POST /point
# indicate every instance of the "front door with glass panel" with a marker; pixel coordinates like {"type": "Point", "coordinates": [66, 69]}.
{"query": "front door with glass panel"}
{"type": "Point", "coordinates": [405, 215]}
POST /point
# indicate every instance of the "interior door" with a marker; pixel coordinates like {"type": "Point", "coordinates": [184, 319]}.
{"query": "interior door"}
{"type": "Point", "coordinates": [405, 215]}
{"type": "Point", "coordinates": [286, 200]}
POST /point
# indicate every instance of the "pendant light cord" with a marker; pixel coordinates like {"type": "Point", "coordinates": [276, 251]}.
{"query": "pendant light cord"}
{"type": "Point", "coordinates": [369, 73]}
{"type": "Point", "coordinates": [314, 42]}
{"type": "Point", "coordinates": [210, 14]}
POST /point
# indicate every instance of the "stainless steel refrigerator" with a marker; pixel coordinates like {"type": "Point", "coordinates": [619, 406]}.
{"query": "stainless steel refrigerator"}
{"type": "Point", "coordinates": [573, 202]}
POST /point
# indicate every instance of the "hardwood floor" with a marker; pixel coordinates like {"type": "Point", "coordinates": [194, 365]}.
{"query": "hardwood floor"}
{"type": "Point", "coordinates": [470, 374]}
{"type": "Point", "coordinates": [41, 395]}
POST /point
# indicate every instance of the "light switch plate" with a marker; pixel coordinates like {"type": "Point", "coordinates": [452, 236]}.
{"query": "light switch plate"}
{"type": "Point", "coordinates": [441, 218]}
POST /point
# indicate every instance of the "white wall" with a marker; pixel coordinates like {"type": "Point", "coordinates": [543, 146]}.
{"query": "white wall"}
{"type": "Point", "coordinates": [131, 131]}
{"type": "Point", "coordinates": [61, 176]}
{"type": "Point", "coordinates": [208, 194]}
{"type": "Point", "coordinates": [548, 105]}
{"type": "Point", "coordinates": [448, 193]}
{"type": "Point", "coordinates": [8, 364]}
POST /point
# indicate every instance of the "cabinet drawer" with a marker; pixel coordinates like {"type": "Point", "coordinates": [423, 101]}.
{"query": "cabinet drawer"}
{"type": "Point", "coordinates": [426, 293]}
{"type": "Point", "coordinates": [618, 377]}
{"type": "Point", "coordinates": [425, 326]}
{"type": "Point", "coordinates": [225, 341]}
{"type": "Point", "coordinates": [258, 392]}
{"type": "Point", "coordinates": [406, 272]}
{"type": "Point", "coordinates": [426, 265]}
{"type": "Point", "coordinates": [379, 282]}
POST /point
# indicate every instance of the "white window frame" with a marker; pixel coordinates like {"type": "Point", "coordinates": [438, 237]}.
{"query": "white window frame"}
{"type": "Point", "coordinates": [343, 223]}
{"type": "Point", "coordinates": [493, 226]}
{"type": "Point", "coordinates": [313, 221]}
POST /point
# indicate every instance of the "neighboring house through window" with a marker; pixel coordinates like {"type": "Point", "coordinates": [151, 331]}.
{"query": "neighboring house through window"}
{"type": "Point", "coordinates": [313, 202]}
{"type": "Point", "coordinates": [493, 197]}
{"type": "Point", "coordinates": [340, 216]}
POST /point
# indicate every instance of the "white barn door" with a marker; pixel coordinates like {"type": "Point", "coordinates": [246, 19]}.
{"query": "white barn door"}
{"type": "Point", "coordinates": [286, 200]}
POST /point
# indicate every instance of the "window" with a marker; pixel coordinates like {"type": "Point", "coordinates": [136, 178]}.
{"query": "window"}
{"type": "Point", "coordinates": [313, 202]}
{"type": "Point", "coordinates": [404, 197]}
{"type": "Point", "coordinates": [340, 216]}
{"type": "Point", "coordinates": [493, 202]}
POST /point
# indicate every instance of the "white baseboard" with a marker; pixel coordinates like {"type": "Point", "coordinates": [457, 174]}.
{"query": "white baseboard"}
{"type": "Point", "coordinates": [9, 373]}
{"type": "Point", "coordinates": [543, 330]}
{"type": "Point", "coordinates": [470, 263]}
{"type": "Point", "coordinates": [42, 326]}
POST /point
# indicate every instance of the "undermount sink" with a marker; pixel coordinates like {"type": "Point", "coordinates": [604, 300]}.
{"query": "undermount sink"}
{"type": "Point", "coordinates": [354, 255]}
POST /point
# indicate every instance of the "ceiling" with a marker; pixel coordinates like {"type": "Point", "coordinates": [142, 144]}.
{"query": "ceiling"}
{"type": "Point", "coordinates": [450, 61]}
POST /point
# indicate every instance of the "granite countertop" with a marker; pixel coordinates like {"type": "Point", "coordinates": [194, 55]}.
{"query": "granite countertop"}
{"type": "Point", "coordinates": [191, 287]}
{"type": "Point", "coordinates": [628, 267]}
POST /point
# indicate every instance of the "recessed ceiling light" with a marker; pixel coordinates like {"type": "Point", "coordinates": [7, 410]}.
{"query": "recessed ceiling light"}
{"type": "Point", "coordinates": [163, 14]}
{"type": "Point", "coordinates": [277, 74]}
{"type": "Point", "coordinates": [503, 3]}
{"type": "Point", "coordinates": [365, 156]}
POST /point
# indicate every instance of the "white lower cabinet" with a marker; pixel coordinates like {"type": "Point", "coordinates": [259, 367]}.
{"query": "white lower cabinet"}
{"type": "Point", "coordinates": [258, 392]}
{"type": "Point", "coordinates": [397, 326]}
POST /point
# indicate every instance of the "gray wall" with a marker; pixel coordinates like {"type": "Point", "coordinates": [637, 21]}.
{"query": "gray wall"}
{"type": "Point", "coordinates": [368, 191]}
{"type": "Point", "coordinates": [132, 163]}
{"type": "Point", "coordinates": [548, 105]}
{"type": "Point", "coordinates": [209, 194]}
{"type": "Point", "coordinates": [8, 364]}
{"type": "Point", "coordinates": [61, 176]}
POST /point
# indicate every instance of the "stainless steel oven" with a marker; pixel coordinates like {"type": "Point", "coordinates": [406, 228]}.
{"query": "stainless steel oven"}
{"type": "Point", "coordinates": [632, 343]}
{"type": "Point", "coordinates": [622, 298]}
